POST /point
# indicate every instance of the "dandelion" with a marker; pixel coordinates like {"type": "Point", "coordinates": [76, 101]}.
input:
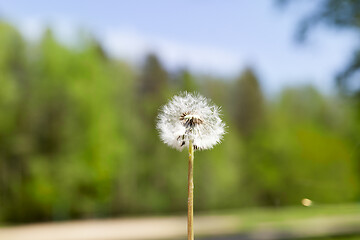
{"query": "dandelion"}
{"type": "Point", "coordinates": [190, 121]}
{"type": "Point", "coordinates": [190, 118]}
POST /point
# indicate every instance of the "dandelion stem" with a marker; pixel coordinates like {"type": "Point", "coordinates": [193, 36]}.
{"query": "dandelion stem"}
{"type": "Point", "coordinates": [191, 193]}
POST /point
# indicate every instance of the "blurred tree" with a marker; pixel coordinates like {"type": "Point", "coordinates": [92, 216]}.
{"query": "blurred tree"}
{"type": "Point", "coordinates": [317, 143]}
{"type": "Point", "coordinates": [248, 103]}
{"type": "Point", "coordinates": [188, 82]}
{"type": "Point", "coordinates": [216, 89]}
{"type": "Point", "coordinates": [153, 80]}
{"type": "Point", "coordinates": [297, 154]}
{"type": "Point", "coordinates": [152, 92]}
{"type": "Point", "coordinates": [14, 129]}
{"type": "Point", "coordinates": [341, 15]}
{"type": "Point", "coordinates": [344, 15]}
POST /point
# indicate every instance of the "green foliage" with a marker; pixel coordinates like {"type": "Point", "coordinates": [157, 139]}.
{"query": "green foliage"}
{"type": "Point", "coordinates": [248, 104]}
{"type": "Point", "coordinates": [342, 15]}
{"type": "Point", "coordinates": [78, 139]}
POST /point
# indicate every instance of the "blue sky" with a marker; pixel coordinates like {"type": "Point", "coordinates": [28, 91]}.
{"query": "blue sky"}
{"type": "Point", "coordinates": [213, 36]}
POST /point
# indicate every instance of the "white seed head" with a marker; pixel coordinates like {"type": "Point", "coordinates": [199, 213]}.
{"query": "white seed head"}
{"type": "Point", "coordinates": [190, 117]}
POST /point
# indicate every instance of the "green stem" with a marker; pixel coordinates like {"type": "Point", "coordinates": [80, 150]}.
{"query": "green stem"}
{"type": "Point", "coordinates": [191, 192]}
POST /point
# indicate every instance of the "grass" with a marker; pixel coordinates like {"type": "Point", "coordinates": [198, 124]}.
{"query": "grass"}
{"type": "Point", "coordinates": [318, 222]}
{"type": "Point", "coordinates": [300, 221]}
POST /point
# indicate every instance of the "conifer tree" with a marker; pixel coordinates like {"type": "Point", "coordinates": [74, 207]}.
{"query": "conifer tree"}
{"type": "Point", "coordinates": [248, 103]}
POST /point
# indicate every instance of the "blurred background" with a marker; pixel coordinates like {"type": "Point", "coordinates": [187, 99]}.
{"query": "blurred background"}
{"type": "Point", "coordinates": [81, 83]}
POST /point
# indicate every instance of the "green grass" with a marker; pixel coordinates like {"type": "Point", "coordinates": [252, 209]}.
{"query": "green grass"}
{"type": "Point", "coordinates": [299, 220]}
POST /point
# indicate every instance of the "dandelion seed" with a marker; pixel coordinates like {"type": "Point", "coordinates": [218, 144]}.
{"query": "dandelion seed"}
{"type": "Point", "coordinates": [190, 117]}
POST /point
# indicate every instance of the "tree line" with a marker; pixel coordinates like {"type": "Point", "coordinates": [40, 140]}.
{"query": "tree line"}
{"type": "Point", "coordinates": [78, 138]}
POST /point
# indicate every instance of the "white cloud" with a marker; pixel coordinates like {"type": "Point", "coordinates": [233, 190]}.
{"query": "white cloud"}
{"type": "Point", "coordinates": [64, 29]}
{"type": "Point", "coordinates": [128, 44]}
{"type": "Point", "coordinates": [32, 28]}
{"type": "Point", "coordinates": [132, 45]}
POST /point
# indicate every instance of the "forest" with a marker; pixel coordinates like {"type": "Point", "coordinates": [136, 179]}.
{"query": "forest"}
{"type": "Point", "coordinates": [78, 137]}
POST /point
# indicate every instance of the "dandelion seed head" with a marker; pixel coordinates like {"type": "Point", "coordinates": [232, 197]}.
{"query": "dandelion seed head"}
{"type": "Point", "coordinates": [190, 117]}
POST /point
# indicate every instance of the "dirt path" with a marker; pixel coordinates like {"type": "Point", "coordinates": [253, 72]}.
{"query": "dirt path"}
{"type": "Point", "coordinates": [161, 228]}
{"type": "Point", "coordinates": [119, 229]}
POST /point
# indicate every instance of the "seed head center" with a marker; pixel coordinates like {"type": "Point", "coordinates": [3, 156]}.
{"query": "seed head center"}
{"type": "Point", "coordinates": [190, 120]}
